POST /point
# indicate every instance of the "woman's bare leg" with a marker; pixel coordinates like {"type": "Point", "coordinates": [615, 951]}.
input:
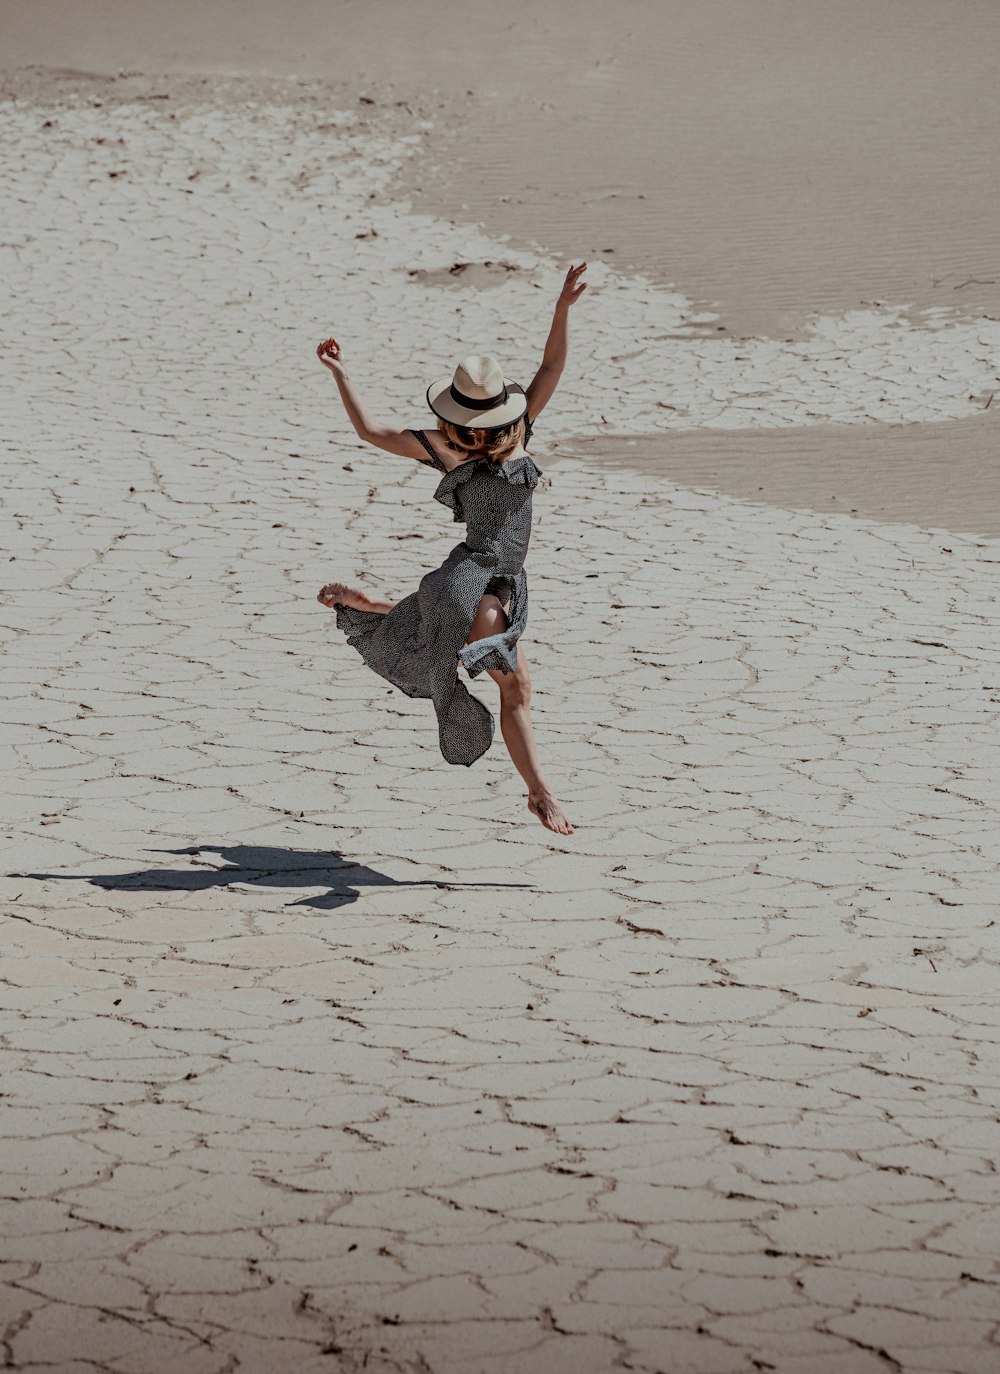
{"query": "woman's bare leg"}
{"type": "Point", "coordinates": [515, 699]}
{"type": "Point", "coordinates": [340, 594]}
{"type": "Point", "coordinates": [519, 737]}
{"type": "Point", "coordinates": [515, 721]}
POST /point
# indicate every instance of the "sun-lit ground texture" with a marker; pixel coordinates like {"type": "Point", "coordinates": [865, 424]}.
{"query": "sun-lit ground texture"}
{"type": "Point", "coordinates": [321, 1054]}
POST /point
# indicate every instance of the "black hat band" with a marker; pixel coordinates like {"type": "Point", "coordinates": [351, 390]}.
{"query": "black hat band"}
{"type": "Point", "coordinates": [470, 402]}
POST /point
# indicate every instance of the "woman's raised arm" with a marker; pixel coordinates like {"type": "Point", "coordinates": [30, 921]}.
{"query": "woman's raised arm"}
{"type": "Point", "coordinates": [398, 441]}
{"type": "Point", "coordinates": [546, 379]}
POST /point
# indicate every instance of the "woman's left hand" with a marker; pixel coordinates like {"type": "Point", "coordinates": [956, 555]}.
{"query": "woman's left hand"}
{"type": "Point", "coordinates": [331, 355]}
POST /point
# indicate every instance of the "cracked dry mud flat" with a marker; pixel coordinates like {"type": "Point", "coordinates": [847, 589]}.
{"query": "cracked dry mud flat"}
{"type": "Point", "coordinates": [321, 1055]}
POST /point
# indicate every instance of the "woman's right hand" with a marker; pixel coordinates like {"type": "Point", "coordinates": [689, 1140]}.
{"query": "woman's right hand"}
{"type": "Point", "coordinates": [572, 288]}
{"type": "Point", "coordinates": [331, 355]}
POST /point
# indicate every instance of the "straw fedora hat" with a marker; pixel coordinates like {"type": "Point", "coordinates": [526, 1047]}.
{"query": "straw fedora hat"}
{"type": "Point", "coordinates": [477, 395]}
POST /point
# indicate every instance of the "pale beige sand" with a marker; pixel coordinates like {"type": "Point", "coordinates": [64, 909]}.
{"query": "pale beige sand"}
{"type": "Point", "coordinates": [772, 158]}
{"type": "Point", "coordinates": [321, 1055]}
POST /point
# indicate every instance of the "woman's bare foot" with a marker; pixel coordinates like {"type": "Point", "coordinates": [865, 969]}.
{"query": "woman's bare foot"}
{"type": "Point", "coordinates": [340, 594]}
{"type": "Point", "coordinates": [544, 805]}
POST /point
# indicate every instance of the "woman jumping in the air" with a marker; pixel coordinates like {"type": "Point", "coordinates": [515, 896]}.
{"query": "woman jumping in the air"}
{"type": "Point", "coordinates": [474, 608]}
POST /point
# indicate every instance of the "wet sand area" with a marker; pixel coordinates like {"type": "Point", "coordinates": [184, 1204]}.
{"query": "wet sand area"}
{"type": "Point", "coordinates": [943, 476]}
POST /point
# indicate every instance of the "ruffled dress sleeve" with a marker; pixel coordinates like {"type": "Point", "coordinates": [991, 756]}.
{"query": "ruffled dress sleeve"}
{"type": "Point", "coordinates": [517, 472]}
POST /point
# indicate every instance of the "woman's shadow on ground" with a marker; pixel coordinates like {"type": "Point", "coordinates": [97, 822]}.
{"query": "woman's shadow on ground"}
{"type": "Point", "coordinates": [262, 866]}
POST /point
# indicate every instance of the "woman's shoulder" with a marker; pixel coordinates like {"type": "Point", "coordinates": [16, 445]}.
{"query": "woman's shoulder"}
{"type": "Point", "coordinates": [433, 444]}
{"type": "Point", "coordinates": [445, 456]}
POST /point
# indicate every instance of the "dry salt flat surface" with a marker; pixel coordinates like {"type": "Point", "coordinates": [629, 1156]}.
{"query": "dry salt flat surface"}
{"type": "Point", "coordinates": [320, 1054]}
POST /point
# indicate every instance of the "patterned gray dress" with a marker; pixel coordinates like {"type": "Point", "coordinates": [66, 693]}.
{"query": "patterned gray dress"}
{"type": "Point", "coordinates": [418, 645]}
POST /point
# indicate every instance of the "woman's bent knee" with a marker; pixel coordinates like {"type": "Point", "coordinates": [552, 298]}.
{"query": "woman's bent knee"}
{"type": "Point", "coordinates": [515, 688]}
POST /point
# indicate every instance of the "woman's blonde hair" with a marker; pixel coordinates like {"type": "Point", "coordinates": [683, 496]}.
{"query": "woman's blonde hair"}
{"type": "Point", "coordinates": [498, 443]}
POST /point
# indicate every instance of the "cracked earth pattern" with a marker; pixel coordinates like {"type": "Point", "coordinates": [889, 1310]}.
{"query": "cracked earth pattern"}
{"type": "Point", "coordinates": [320, 1055]}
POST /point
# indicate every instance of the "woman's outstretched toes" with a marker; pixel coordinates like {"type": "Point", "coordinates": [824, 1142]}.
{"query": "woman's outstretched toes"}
{"type": "Point", "coordinates": [340, 594]}
{"type": "Point", "coordinates": [549, 812]}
